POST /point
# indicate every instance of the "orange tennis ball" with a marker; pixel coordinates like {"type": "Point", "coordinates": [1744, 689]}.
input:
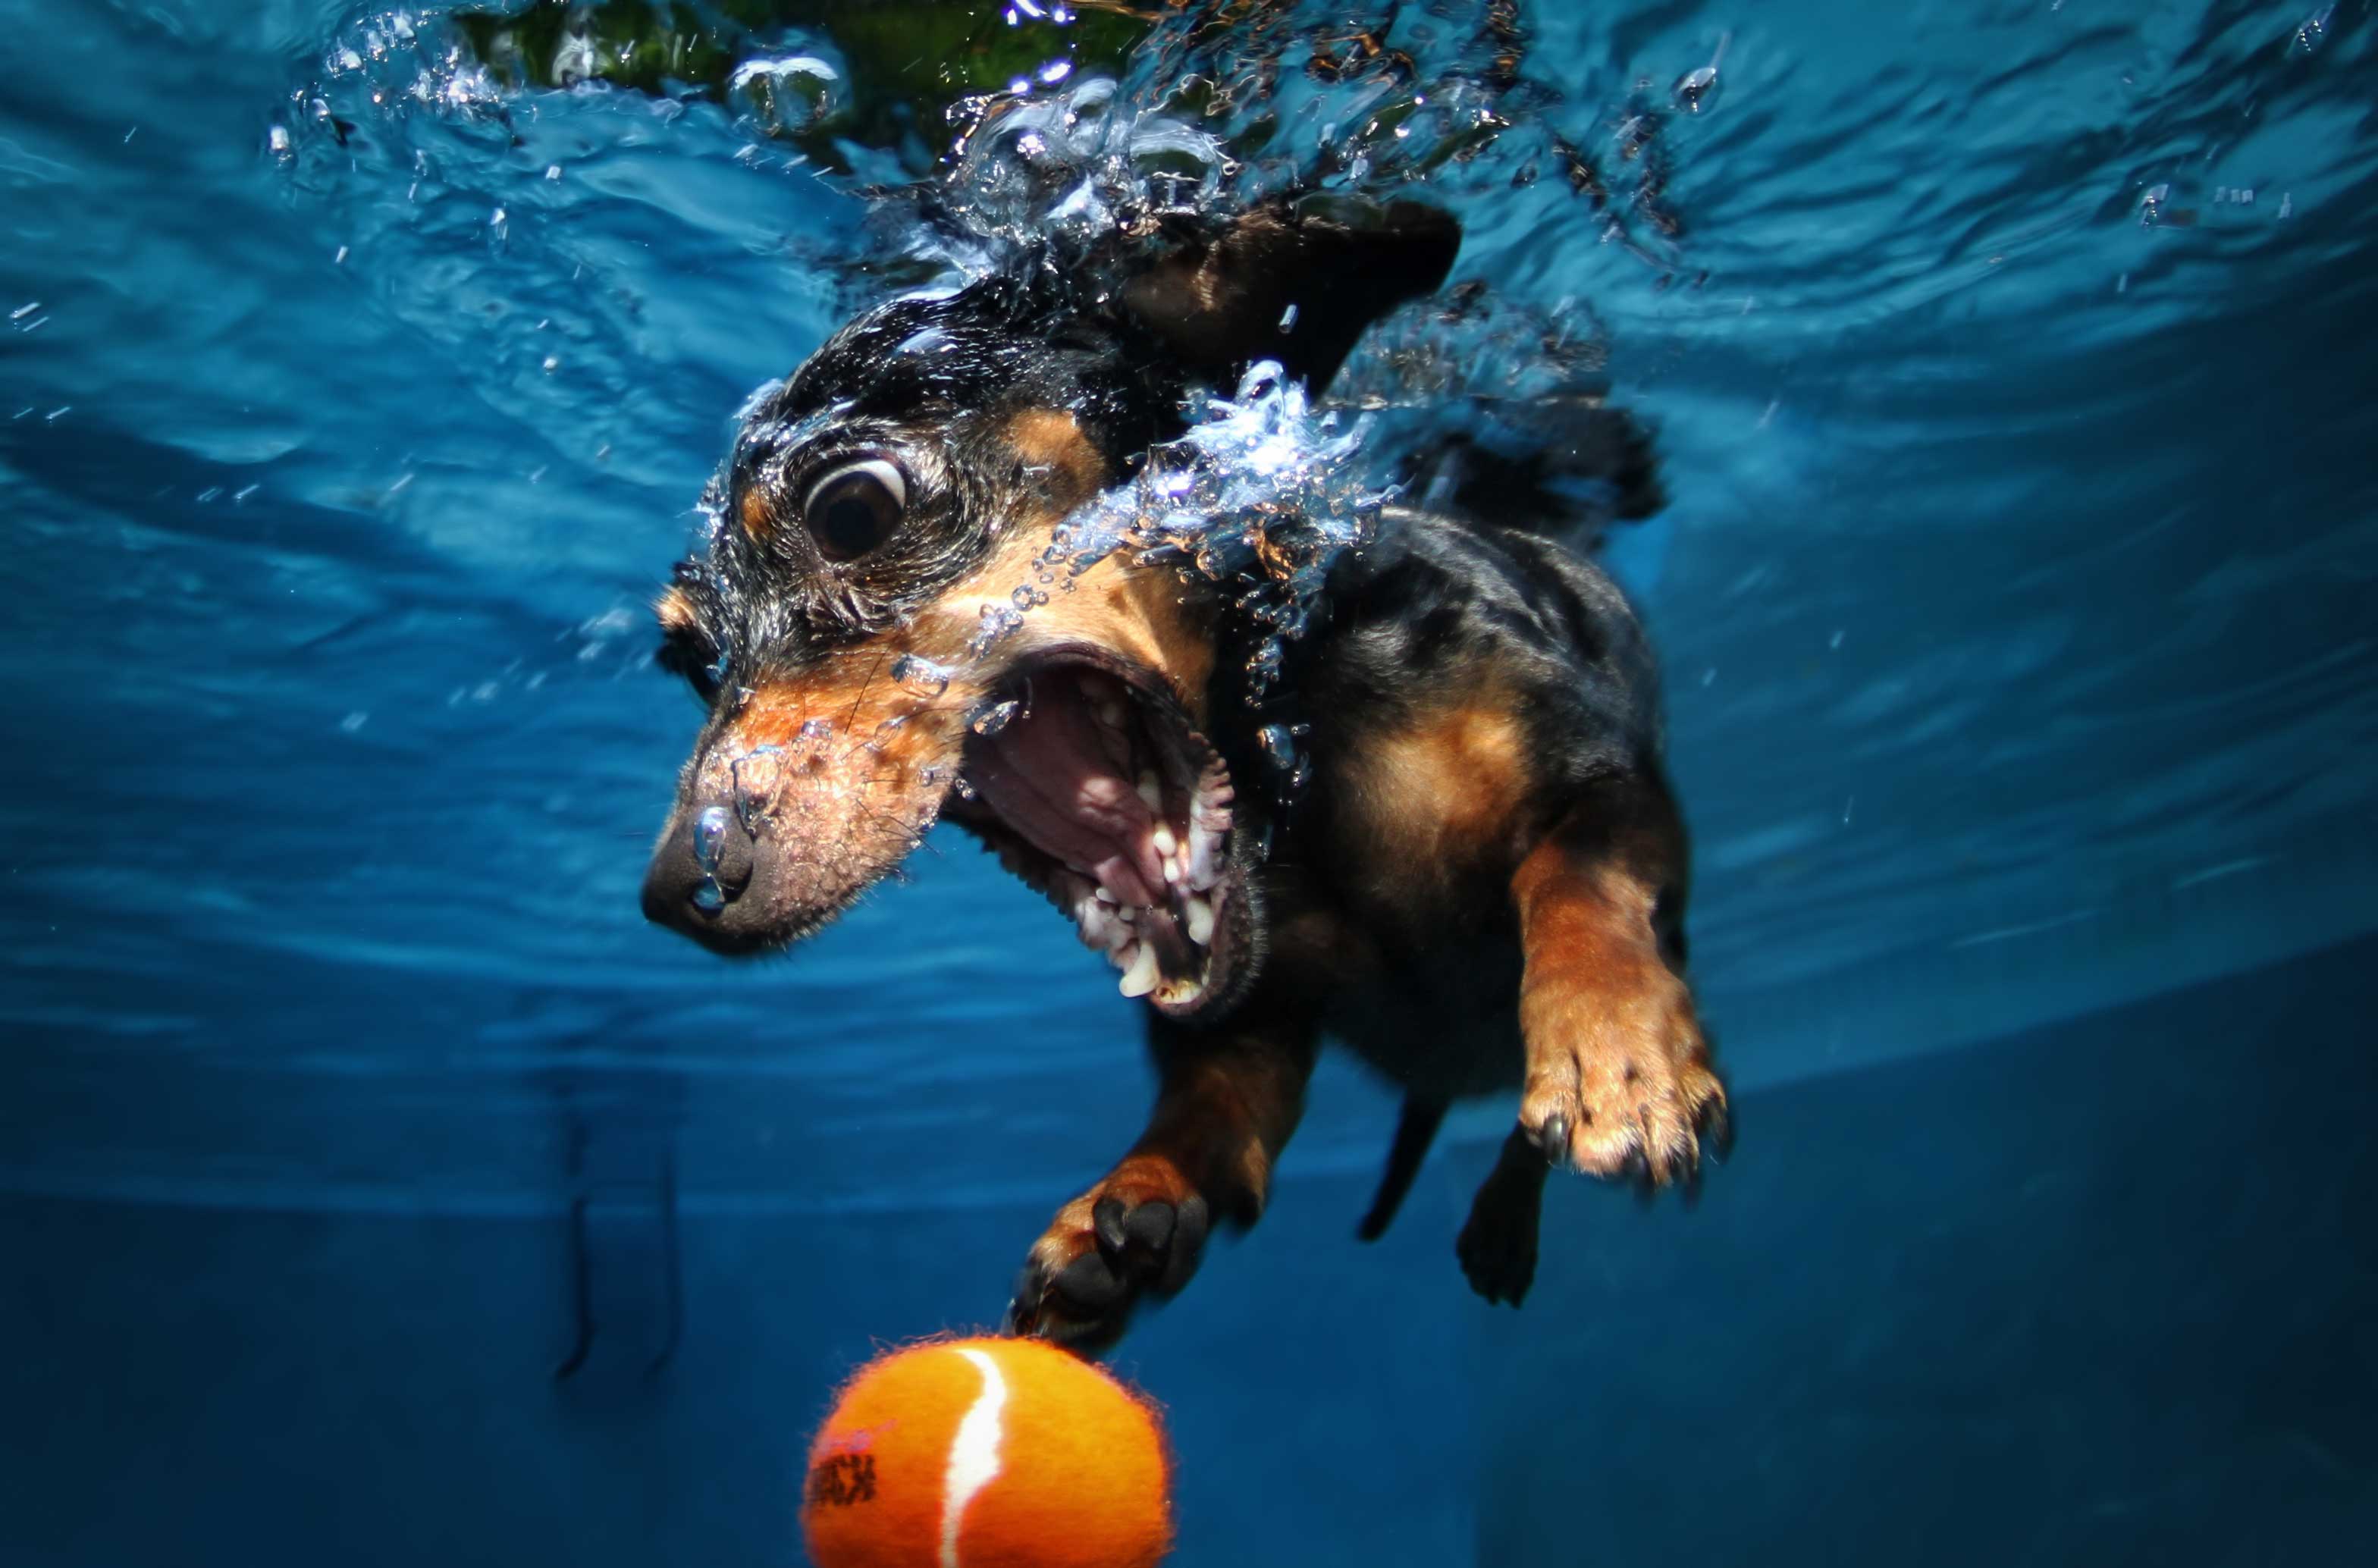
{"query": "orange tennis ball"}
{"type": "Point", "coordinates": [987, 1454]}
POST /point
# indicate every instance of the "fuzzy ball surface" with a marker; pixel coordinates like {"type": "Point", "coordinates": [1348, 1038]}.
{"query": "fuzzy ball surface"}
{"type": "Point", "coordinates": [987, 1454]}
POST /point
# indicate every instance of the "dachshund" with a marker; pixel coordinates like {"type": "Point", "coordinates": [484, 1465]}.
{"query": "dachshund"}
{"type": "Point", "coordinates": [1481, 883]}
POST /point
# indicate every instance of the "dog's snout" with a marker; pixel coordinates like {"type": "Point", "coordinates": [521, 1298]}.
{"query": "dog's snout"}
{"type": "Point", "coordinates": [702, 866]}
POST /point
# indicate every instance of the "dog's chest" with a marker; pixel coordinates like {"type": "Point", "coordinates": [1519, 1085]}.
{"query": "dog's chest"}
{"type": "Point", "coordinates": [1443, 1023]}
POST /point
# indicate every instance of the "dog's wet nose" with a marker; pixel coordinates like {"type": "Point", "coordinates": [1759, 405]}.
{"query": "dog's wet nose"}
{"type": "Point", "coordinates": [700, 868]}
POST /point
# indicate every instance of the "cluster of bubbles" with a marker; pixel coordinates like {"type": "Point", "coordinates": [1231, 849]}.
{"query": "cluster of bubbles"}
{"type": "Point", "coordinates": [1259, 499]}
{"type": "Point", "coordinates": [392, 62]}
{"type": "Point", "coordinates": [1226, 102]}
{"type": "Point", "coordinates": [1220, 105]}
{"type": "Point", "coordinates": [1266, 492]}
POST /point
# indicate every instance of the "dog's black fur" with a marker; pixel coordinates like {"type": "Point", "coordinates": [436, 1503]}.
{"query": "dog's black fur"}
{"type": "Point", "coordinates": [1479, 880]}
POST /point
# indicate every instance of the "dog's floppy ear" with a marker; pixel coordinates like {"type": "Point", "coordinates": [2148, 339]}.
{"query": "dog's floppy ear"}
{"type": "Point", "coordinates": [1224, 300]}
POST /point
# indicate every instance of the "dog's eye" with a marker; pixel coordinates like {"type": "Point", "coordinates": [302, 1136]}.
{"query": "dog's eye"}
{"type": "Point", "coordinates": [854, 507]}
{"type": "Point", "coordinates": [690, 656]}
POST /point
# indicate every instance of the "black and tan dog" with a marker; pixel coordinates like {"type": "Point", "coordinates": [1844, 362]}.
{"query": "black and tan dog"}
{"type": "Point", "coordinates": [1481, 885]}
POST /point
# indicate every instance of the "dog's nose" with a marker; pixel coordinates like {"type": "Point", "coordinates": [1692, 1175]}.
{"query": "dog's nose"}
{"type": "Point", "coordinates": [702, 866]}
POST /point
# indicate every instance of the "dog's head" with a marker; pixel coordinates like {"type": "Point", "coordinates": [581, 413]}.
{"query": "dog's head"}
{"type": "Point", "coordinates": [854, 627]}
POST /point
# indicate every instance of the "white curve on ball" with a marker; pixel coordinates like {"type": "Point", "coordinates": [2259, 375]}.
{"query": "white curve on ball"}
{"type": "Point", "coordinates": [974, 1454]}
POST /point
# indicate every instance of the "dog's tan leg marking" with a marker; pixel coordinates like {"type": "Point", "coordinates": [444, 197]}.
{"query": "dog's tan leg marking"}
{"type": "Point", "coordinates": [1227, 1103]}
{"type": "Point", "coordinates": [1618, 1080]}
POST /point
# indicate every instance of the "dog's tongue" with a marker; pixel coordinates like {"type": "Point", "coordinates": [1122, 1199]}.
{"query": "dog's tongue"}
{"type": "Point", "coordinates": [1050, 777]}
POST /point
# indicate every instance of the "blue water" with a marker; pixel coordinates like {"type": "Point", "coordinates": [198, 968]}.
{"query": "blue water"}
{"type": "Point", "coordinates": [2014, 376]}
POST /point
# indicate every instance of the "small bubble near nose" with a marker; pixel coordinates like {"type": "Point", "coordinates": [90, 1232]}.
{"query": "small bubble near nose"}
{"type": "Point", "coordinates": [709, 835]}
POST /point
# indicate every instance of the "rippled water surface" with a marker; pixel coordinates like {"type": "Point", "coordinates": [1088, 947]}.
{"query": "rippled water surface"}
{"type": "Point", "coordinates": [2013, 370]}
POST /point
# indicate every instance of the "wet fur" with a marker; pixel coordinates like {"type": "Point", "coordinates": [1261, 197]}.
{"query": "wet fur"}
{"type": "Point", "coordinates": [1482, 887]}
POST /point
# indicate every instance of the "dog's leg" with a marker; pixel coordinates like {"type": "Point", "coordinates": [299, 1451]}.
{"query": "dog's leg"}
{"type": "Point", "coordinates": [1619, 1078]}
{"type": "Point", "coordinates": [1227, 1100]}
{"type": "Point", "coordinates": [1498, 1245]}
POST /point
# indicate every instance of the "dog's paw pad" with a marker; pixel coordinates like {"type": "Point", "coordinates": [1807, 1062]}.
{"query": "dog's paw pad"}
{"type": "Point", "coordinates": [1128, 1237]}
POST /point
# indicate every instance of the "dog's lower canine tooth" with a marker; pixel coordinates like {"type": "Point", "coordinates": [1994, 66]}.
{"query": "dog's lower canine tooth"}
{"type": "Point", "coordinates": [1109, 712]}
{"type": "Point", "coordinates": [1164, 840]}
{"type": "Point", "coordinates": [1151, 789]}
{"type": "Point", "coordinates": [1200, 914]}
{"type": "Point", "coordinates": [1141, 977]}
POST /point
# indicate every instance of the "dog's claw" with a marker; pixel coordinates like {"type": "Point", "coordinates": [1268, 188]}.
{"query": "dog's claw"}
{"type": "Point", "coordinates": [1139, 1233]}
{"type": "Point", "coordinates": [1106, 1219]}
{"type": "Point", "coordinates": [1715, 1126]}
{"type": "Point", "coordinates": [1023, 1302]}
{"type": "Point", "coordinates": [1618, 1081]}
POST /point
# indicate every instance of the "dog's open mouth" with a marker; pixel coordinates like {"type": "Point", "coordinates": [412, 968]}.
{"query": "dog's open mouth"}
{"type": "Point", "coordinates": [1095, 788]}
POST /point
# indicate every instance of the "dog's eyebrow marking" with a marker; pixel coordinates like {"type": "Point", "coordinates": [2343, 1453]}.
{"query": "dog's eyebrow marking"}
{"type": "Point", "coordinates": [674, 609]}
{"type": "Point", "coordinates": [1051, 439]}
{"type": "Point", "coordinates": [754, 512]}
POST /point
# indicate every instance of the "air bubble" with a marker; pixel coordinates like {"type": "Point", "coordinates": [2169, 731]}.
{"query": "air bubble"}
{"type": "Point", "coordinates": [757, 776]}
{"type": "Point", "coordinates": [1262, 667]}
{"type": "Point", "coordinates": [998, 620]}
{"type": "Point", "coordinates": [709, 834]}
{"type": "Point", "coordinates": [998, 716]}
{"type": "Point", "coordinates": [915, 673]}
{"type": "Point", "coordinates": [787, 96]}
{"type": "Point", "coordinates": [1696, 89]}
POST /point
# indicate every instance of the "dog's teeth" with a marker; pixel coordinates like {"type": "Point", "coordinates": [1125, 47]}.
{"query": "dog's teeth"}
{"type": "Point", "coordinates": [1181, 993]}
{"type": "Point", "coordinates": [1141, 977]}
{"type": "Point", "coordinates": [1103, 896]}
{"type": "Point", "coordinates": [1200, 914]}
{"type": "Point", "coordinates": [1103, 927]}
{"type": "Point", "coordinates": [1151, 789]}
{"type": "Point", "coordinates": [1110, 711]}
{"type": "Point", "coordinates": [1164, 840]}
{"type": "Point", "coordinates": [1171, 871]}
{"type": "Point", "coordinates": [1203, 861]}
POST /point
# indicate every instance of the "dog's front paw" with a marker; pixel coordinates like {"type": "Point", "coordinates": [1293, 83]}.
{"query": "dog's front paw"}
{"type": "Point", "coordinates": [1618, 1077]}
{"type": "Point", "coordinates": [1138, 1232]}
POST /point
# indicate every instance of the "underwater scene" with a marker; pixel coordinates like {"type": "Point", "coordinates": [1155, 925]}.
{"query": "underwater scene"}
{"type": "Point", "coordinates": [582, 576]}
